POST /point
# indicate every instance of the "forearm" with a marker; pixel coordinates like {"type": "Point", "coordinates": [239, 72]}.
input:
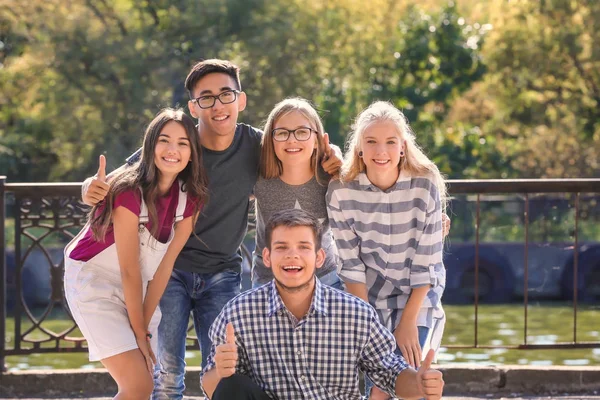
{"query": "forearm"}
{"type": "Point", "coordinates": [156, 288]}
{"type": "Point", "coordinates": [132, 289]}
{"type": "Point", "coordinates": [411, 310]}
{"type": "Point", "coordinates": [158, 284]}
{"type": "Point", "coordinates": [358, 289]}
{"type": "Point", "coordinates": [407, 386]}
{"type": "Point", "coordinates": [210, 380]}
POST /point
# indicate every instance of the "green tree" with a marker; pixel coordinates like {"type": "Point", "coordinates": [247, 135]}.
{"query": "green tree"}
{"type": "Point", "coordinates": [542, 87]}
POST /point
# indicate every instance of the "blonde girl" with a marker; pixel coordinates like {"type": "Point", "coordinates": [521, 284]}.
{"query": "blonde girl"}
{"type": "Point", "coordinates": [386, 217]}
{"type": "Point", "coordinates": [295, 167]}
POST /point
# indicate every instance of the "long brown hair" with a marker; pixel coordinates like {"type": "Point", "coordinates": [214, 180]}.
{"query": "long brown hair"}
{"type": "Point", "coordinates": [415, 162]}
{"type": "Point", "coordinates": [270, 166]}
{"type": "Point", "coordinates": [145, 175]}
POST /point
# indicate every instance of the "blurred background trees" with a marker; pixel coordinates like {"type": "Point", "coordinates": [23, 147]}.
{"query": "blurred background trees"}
{"type": "Point", "coordinates": [505, 89]}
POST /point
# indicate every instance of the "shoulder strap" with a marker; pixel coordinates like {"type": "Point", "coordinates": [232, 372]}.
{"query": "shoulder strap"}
{"type": "Point", "coordinates": [181, 203]}
{"type": "Point", "coordinates": [143, 210]}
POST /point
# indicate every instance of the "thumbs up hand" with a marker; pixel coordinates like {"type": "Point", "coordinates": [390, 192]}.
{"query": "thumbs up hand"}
{"type": "Point", "coordinates": [430, 380]}
{"type": "Point", "coordinates": [98, 188]}
{"type": "Point", "coordinates": [226, 354]}
{"type": "Point", "coordinates": [332, 159]}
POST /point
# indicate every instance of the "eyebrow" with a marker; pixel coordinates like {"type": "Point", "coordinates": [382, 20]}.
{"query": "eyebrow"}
{"type": "Point", "coordinates": [390, 137]}
{"type": "Point", "coordinates": [223, 89]}
{"type": "Point", "coordinates": [301, 242]}
{"type": "Point", "coordinates": [297, 127]}
{"type": "Point", "coordinates": [167, 136]}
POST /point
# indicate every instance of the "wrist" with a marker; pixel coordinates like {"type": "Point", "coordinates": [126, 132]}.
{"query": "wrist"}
{"type": "Point", "coordinates": [142, 334]}
{"type": "Point", "coordinates": [408, 318]}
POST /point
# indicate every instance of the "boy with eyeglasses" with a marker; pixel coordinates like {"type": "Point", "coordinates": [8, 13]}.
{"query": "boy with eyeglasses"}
{"type": "Point", "coordinates": [207, 273]}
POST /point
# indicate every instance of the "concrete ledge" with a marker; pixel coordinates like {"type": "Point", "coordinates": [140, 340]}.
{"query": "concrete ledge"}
{"type": "Point", "coordinates": [472, 379]}
{"type": "Point", "coordinates": [460, 379]}
{"type": "Point", "coordinates": [553, 379]}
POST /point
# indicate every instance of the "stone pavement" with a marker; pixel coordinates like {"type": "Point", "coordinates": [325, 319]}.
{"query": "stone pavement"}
{"type": "Point", "coordinates": [488, 397]}
{"type": "Point", "coordinates": [478, 382]}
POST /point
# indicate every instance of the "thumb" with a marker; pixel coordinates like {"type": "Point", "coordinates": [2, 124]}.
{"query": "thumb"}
{"type": "Point", "coordinates": [326, 146]}
{"type": "Point", "coordinates": [230, 333]}
{"type": "Point", "coordinates": [102, 168]}
{"type": "Point", "coordinates": [425, 365]}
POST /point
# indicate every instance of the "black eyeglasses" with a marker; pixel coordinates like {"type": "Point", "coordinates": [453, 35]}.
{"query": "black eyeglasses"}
{"type": "Point", "coordinates": [301, 134]}
{"type": "Point", "coordinates": [226, 97]}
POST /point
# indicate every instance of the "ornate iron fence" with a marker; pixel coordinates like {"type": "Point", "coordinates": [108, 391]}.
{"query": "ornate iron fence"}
{"type": "Point", "coordinates": [47, 215]}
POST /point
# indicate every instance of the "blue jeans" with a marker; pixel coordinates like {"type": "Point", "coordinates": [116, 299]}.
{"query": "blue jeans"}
{"type": "Point", "coordinates": [332, 279]}
{"type": "Point", "coordinates": [204, 295]}
{"type": "Point", "coordinates": [423, 332]}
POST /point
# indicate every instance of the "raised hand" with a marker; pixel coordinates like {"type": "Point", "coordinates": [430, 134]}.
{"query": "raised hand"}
{"type": "Point", "coordinates": [430, 380]}
{"type": "Point", "coordinates": [331, 161]}
{"type": "Point", "coordinates": [226, 354]}
{"type": "Point", "coordinates": [98, 188]}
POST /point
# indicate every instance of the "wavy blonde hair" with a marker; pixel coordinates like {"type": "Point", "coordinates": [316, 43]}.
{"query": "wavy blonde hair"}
{"type": "Point", "coordinates": [415, 162]}
{"type": "Point", "coordinates": [270, 166]}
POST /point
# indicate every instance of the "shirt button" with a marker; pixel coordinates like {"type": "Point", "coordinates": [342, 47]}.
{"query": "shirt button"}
{"type": "Point", "coordinates": [302, 378]}
{"type": "Point", "coordinates": [299, 352]}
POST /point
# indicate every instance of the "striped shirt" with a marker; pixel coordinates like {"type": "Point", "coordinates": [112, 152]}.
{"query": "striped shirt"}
{"type": "Point", "coordinates": [390, 240]}
{"type": "Point", "coordinates": [317, 357]}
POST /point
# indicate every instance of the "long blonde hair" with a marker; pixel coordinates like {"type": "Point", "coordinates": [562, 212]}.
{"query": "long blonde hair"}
{"type": "Point", "coordinates": [415, 162]}
{"type": "Point", "coordinates": [270, 166]}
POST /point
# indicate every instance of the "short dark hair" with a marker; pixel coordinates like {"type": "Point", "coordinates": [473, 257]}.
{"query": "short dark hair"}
{"type": "Point", "coordinates": [203, 68]}
{"type": "Point", "coordinates": [291, 218]}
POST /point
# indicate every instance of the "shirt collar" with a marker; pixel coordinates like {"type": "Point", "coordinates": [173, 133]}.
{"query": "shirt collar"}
{"type": "Point", "coordinates": [317, 305]}
{"type": "Point", "coordinates": [403, 182]}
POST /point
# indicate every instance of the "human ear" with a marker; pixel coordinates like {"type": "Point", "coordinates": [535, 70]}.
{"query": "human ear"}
{"type": "Point", "coordinates": [192, 108]}
{"type": "Point", "coordinates": [266, 257]}
{"type": "Point", "coordinates": [320, 258]}
{"type": "Point", "coordinates": [241, 101]}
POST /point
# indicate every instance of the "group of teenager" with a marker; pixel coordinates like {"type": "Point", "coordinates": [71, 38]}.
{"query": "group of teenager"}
{"type": "Point", "coordinates": [347, 272]}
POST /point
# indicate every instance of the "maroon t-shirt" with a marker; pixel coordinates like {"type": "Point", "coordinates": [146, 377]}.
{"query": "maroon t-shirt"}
{"type": "Point", "coordinates": [166, 206]}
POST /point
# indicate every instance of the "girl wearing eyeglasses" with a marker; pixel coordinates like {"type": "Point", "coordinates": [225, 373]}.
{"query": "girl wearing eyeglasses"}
{"type": "Point", "coordinates": [295, 168]}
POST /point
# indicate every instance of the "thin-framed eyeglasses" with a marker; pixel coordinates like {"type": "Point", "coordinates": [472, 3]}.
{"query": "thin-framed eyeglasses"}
{"type": "Point", "coordinates": [301, 134]}
{"type": "Point", "coordinates": [226, 97]}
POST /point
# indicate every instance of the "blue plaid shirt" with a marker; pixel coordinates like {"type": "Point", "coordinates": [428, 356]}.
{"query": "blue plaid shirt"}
{"type": "Point", "coordinates": [317, 357]}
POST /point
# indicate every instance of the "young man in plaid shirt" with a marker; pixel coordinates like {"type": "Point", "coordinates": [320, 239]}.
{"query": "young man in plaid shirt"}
{"type": "Point", "coordinates": [295, 338]}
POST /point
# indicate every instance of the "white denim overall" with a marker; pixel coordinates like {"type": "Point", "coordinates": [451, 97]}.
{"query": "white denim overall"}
{"type": "Point", "coordinates": [94, 290]}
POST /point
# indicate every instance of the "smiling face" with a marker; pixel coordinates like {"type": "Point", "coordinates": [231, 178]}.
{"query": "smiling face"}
{"type": "Point", "coordinates": [293, 257]}
{"type": "Point", "coordinates": [381, 145]}
{"type": "Point", "coordinates": [294, 151]}
{"type": "Point", "coordinates": [220, 119]}
{"type": "Point", "coordinates": [172, 151]}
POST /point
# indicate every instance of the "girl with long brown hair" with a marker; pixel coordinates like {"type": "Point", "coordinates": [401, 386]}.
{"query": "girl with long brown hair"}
{"type": "Point", "coordinates": [117, 267]}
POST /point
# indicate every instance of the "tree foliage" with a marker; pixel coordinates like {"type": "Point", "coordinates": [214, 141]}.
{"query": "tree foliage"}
{"type": "Point", "coordinates": [489, 91]}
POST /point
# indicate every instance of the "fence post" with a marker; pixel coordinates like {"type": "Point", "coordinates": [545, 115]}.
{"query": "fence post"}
{"type": "Point", "coordinates": [2, 277]}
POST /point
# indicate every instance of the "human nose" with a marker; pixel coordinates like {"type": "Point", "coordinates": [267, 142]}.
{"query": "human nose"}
{"type": "Point", "coordinates": [291, 253]}
{"type": "Point", "coordinates": [380, 149]}
{"type": "Point", "coordinates": [172, 147]}
{"type": "Point", "coordinates": [292, 136]}
{"type": "Point", "coordinates": [218, 103]}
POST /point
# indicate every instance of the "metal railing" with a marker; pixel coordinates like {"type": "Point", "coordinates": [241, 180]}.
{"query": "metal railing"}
{"type": "Point", "coordinates": [526, 187]}
{"type": "Point", "coordinates": [43, 210]}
